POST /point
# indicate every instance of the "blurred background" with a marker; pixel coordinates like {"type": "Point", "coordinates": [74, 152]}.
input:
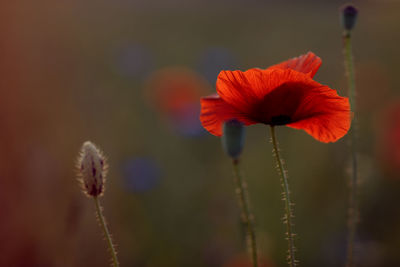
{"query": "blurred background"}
{"type": "Point", "coordinates": [128, 75]}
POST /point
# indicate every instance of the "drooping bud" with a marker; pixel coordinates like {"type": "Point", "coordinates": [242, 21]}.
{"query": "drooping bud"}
{"type": "Point", "coordinates": [348, 16]}
{"type": "Point", "coordinates": [233, 138]}
{"type": "Point", "coordinates": [92, 170]}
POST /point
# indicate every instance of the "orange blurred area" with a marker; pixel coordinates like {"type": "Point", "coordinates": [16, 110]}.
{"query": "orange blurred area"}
{"type": "Point", "coordinates": [170, 90]}
{"type": "Point", "coordinates": [174, 92]}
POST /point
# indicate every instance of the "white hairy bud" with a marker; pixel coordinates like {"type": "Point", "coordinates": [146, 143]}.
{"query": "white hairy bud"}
{"type": "Point", "coordinates": [92, 169]}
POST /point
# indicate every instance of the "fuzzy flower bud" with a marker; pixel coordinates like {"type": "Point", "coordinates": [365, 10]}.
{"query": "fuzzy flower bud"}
{"type": "Point", "coordinates": [233, 138]}
{"type": "Point", "coordinates": [92, 170]}
{"type": "Point", "coordinates": [349, 16]}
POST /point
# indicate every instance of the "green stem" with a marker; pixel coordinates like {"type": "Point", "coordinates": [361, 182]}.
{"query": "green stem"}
{"type": "Point", "coordinates": [288, 218]}
{"type": "Point", "coordinates": [106, 232]}
{"type": "Point", "coordinates": [353, 209]}
{"type": "Point", "coordinates": [247, 217]}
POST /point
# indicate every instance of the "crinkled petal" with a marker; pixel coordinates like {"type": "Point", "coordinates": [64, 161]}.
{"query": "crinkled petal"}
{"type": "Point", "coordinates": [285, 89]}
{"type": "Point", "coordinates": [308, 64]}
{"type": "Point", "coordinates": [323, 114]}
{"type": "Point", "coordinates": [215, 111]}
{"type": "Point", "coordinates": [246, 90]}
{"type": "Point", "coordinates": [241, 89]}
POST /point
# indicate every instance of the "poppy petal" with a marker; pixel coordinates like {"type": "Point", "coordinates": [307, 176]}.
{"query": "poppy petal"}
{"type": "Point", "coordinates": [215, 111]}
{"type": "Point", "coordinates": [308, 64]}
{"type": "Point", "coordinates": [241, 89]}
{"type": "Point", "coordinates": [284, 91]}
{"type": "Point", "coordinates": [247, 90]}
{"type": "Point", "coordinates": [323, 114]}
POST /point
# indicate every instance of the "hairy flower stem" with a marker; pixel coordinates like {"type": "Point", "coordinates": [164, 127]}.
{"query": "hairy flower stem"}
{"type": "Point", "coordinates": [247, 217]}
{"type": "Point", "coordinates": [288, 218]}
{"type": "Point", "coordinates": [353, 209]}
{"type": "Point", "coordinates": [107, 235]}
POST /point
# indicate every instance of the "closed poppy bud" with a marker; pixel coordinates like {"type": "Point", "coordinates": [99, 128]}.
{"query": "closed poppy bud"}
{"type": "Point", "coordinates": [349, 16]}
{"type": "Point", "coordinates": [92, 170]}
{"type": "Point", "coordinates": [233, 138]}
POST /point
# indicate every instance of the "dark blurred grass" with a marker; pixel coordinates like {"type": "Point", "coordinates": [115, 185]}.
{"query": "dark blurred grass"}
{"type": "Point", "coordinates": [60, 87]}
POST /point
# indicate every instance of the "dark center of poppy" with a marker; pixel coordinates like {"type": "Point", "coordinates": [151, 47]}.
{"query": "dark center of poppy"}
{"type": "Point", "coordinates": [280, 120]}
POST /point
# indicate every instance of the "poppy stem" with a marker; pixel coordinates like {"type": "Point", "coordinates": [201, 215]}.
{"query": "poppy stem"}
{"type": "Point", "coordinates": [288, 217]}
{"type": "Point", "coordinates": [353, 209]}
{"type": "Point", "coordinates": [246, 215]}
{"type": "Point", "coordinates": [100, 218]}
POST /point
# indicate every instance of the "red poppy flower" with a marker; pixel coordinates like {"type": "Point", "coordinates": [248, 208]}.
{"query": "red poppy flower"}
{"type": "Point", "coordinates": [284, 94]}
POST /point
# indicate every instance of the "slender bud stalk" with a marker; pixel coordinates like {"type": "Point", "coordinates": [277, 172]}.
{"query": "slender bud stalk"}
{"type": "Point", "coordinates": [233, 142]}
{"type": "Point", "coordinates": [288, 217]}
{"type": "Point", "coordinates": [103, 225]}
{"type": "Point", "coordinates": [92, 170]}
{"type": "Point", "coordinates": [246, 215]}
{"type": "Point", "coordinates": [349, 16]}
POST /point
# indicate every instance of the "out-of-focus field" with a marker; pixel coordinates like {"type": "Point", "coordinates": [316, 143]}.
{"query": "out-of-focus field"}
{"type": "Point", "coordinates": [127, 75]}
